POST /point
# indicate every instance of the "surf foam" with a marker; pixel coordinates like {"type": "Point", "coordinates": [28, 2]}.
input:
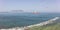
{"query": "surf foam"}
{"type": "Point", "coordinates": [39, 24]}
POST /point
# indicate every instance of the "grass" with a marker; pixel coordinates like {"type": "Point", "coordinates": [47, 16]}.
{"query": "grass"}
{"type": "Point", "coordinates": [47, 27]}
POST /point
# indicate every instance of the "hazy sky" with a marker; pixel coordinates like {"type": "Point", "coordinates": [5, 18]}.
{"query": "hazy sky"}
{"type": "Point", "coordinates": [30, 5]}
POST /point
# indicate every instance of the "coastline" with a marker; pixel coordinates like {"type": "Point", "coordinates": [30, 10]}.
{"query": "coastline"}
{"type": "Point", "coordinates": [39, 24]}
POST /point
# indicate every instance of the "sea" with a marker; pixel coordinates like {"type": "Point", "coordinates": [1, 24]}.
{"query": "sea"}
{"type": "Point", "coordinates": [9, 20]}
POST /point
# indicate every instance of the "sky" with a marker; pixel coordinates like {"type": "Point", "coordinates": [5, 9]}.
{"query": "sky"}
{"type": "Point", "coordinates": [30, 5]}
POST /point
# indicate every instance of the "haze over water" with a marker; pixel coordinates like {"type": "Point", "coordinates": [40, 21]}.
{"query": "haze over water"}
{"type": "Point", "coordinates": [12, 12]}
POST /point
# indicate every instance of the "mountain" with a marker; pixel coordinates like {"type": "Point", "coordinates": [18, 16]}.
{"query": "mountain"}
{"type": "Point", "coordinates": [17, 11]}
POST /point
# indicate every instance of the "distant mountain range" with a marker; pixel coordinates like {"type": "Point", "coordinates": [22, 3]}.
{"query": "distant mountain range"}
{"type": "Point", "coordinates": [13, 11]}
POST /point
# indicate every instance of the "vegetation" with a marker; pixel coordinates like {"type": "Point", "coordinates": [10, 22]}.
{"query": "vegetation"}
{"type": "Point", "coordinates": [47, 27]}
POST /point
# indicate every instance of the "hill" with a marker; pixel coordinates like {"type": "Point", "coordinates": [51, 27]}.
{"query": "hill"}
{"type": "Point", "coordinates": [51, 26]}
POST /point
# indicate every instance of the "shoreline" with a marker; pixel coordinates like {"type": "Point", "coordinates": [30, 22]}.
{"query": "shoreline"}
{"type": "Point", "coordinates": [39, 24]}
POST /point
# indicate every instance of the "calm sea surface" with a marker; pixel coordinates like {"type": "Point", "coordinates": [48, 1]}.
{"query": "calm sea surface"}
{"type": "Point", "coordinates": [24, 19]}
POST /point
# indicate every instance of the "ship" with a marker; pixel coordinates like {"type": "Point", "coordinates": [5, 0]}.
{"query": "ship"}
{"type": "Point", "coordinates": [36, 12]}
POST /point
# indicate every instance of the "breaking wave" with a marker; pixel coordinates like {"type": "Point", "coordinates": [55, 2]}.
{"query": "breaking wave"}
{"type": "Point", "coordinates": [39, 24]}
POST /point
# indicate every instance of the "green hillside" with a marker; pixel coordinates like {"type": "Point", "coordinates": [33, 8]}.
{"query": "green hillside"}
{"type": "Point", "coordinates": [47, 27]}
